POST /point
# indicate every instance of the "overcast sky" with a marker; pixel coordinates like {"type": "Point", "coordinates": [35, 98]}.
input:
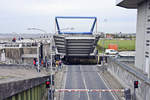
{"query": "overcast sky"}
{"type": "Point", "coordinates": [18, 15]}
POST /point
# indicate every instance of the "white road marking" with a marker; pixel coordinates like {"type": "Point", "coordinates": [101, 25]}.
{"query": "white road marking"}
{"type": "Point", "coordinates": [85, 84]}
{"type": "Point", "coordinates": [106, 85]}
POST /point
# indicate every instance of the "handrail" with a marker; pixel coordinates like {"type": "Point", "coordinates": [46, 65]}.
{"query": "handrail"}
{"type": "Point", "coordinates": [131, 70]}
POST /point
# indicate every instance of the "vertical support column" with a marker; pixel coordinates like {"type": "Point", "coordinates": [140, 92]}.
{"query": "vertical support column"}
{"type": "Point", "coordinates": [51, 66]}
{"type": "Point", "coordinates": [13, 98]}
{"type": "Point", "coordinates": [3, 58]}
{"type": "Point", "coordinates": [33, 94]}
{"type": "Point", "coordinates": [147, 39]}
{"type": "Point", "coordinates": [40, 89]}
{"type": "Point", "coordinates": [38, 92]}
{"type": "Point", "coordinates": [96, 26]}
{"type": "Point", "coordinates": [38, 46]}
{"type": "Point", "coordinates": [19, 96]}
{"type": "Point", "coordinates": [24, 93]}
{"type": "Point", "coordinates": [28, 93]}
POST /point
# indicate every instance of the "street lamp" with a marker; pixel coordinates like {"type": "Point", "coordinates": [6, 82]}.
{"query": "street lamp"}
{"type": "Point", "coordinates": [68, 28]}
{"type": "Point", "coordinates": [51, 69]}
{"type": "Point", "coordinates": [38, 30]}
{"type": "Point", "coordinates": [38, 45]}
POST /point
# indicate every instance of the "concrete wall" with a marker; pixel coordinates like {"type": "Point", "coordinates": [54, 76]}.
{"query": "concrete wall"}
{"type": "Point", "coordinates": [143, 37]}
{"type": "Point", "coordinates": [13, 55]}
{"type": "Point", "coordinates": [46, 50]}
{"type": "Point", "coordinates": [140, 37]}
{"type": "Point", "coordinates": [127, 75]}
{"type": "Point", "coordinates": [24, 55]}
{"type": "Point", "coordinates": [13, 89]}
{"type": "Point", "coordinates": [35, 93]}
{"type": "Point", "coordinates": [29, 50]}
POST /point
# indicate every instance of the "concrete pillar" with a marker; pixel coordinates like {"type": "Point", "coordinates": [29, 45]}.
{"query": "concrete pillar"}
{"type": "Point", "coordinates": [13, 98]}
{"type": "Point", "coordinates": [28, 92]}
{"type": "Point", "coordinates": [3, 58]}
{"type": "Point", "coordinates": [24, 93]}
{"type": "Point", "coordinates": [39, 92]}
{"type": "Point", "coordinates": [33, 94]}
{"type": "Point", "coordinates": [19, 96]}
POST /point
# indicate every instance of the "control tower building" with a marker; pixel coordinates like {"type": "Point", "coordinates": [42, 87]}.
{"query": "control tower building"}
{"type": "Point", "coordinates": [142, 59]}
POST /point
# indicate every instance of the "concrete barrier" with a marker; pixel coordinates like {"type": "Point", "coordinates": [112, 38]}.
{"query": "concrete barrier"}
{"type": "Point", "coordinates": [126, 75]}
{"type": "Point", "coordinates": [16, 87]}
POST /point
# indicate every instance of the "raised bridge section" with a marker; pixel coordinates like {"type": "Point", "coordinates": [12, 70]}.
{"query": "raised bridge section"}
{"type": "Point", "coordinates": [76, 45]}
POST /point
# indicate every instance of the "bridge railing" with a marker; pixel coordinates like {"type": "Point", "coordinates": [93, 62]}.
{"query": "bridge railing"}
{"type": "Point", "coordinates": [7, 45]}
{"type": "Point", "coordinates": [127, 74]}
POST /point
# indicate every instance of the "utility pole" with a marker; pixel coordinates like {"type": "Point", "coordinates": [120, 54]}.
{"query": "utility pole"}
{"type": "Point", "coordinates": [103, 52]}
{"type": "Point", "coordinates": [51, 68]}
{"type": "Point", "coordinates": [38, 67]}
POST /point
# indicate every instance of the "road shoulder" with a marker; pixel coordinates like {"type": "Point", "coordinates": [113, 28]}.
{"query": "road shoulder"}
{"type": "Point", "coordinates": [112, 83]}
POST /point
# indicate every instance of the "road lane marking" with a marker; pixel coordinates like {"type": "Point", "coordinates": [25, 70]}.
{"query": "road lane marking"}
{"type": "Point", "coordinates": [106, 85]}
{"type": "Point", "coordinates": [85, 84]}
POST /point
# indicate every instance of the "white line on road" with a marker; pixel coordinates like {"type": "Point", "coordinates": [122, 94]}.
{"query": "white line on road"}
{"type": "Point", "coordinates": [84, 84]}
{"type": "Point", "coordinates": [106, 85]}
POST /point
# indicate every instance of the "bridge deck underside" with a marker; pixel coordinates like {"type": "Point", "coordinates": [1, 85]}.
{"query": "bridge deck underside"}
{"type": "Point", "coordinates": [133, 4]}
{"type": "Point", "coordinates": [75, 45]}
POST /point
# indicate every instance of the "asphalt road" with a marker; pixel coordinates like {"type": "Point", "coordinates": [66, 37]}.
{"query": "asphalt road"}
{"type": "Point", "coordinates": [84, 77]}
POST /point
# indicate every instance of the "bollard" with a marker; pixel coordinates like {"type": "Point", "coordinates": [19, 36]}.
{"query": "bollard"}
{"type": "Point", "coordinates": [127, 93]}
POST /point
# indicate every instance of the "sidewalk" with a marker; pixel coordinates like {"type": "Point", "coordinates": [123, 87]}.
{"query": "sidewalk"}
{"type": "Point", "coordinates": [112, 83]}
{"type": "Point", "coordinates": [59, 79]}
{"type": "Point", "coordinates": [13, 73]}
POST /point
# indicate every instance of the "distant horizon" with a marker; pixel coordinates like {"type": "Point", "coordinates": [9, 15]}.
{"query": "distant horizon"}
{"type": "Point", "coordinates": [54, 33]}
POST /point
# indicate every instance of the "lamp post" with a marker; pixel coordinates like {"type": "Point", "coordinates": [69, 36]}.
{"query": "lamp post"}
{"type": "Point", "coordinates": [68, 28]}
{"type": "Point", "coordinates": [51, 45]}
{"type": "Point", "coordinates": [38, 68]}
{"type": "Point", "coordinates": [38, 30]}
{"type": "Point", "coordinates": [51, 68]}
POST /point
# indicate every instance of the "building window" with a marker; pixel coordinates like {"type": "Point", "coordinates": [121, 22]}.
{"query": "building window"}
{"type": "Point", "coordinates": [148, 20]}
{"type": "Point", "coordinates": [147, 40]}
{"type": "Point", "coordinates": [146, 52]}
{"type": "Point", "coordinates": [147, 56]}
{"type": "Point", "coordinates": [147, 44]}
{"type": "Point", "coordinates": [148, 32]}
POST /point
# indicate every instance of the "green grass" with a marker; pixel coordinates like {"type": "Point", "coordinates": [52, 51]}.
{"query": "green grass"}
{"type": "Point", "coordinates": [123, 45]}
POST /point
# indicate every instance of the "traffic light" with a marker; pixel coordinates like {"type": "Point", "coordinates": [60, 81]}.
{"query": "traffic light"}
{"type": "Point", "coordinates": [47, 84]}
{"type": "Point", "coordinates": [136, 83]}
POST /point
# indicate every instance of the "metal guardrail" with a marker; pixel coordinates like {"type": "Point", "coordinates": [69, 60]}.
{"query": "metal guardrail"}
{"type": "Point", "coordinates": [131, 70]}
{"type": "Point", "coordinates": [18, 45]}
